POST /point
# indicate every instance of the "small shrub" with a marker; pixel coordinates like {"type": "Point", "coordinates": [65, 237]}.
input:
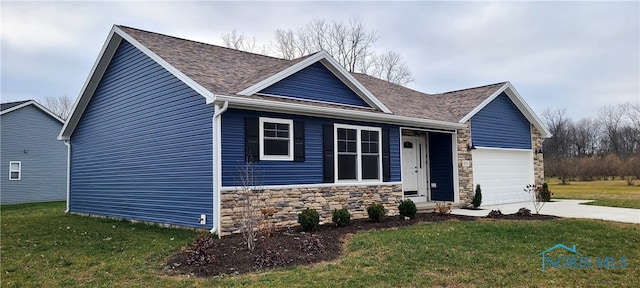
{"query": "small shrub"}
{"type": "Point", "coordinates": [407, 208]}
{"type": "Point", "coordinates": [545, 193]}
{"type": "Point", "coordinates": [312, 245]}
{"type": "Point", "coordinates": [477, 198]}
{"type": "Point", "coordinates": [200, 253]}
{"type": "Point", "coordinates": [269, 258]}
{"type": "Point", "coordinates": [495, 214]}
{"type": "Point", "coordinates": [524, 212]}
{"type": "Point", "coordinates": [341, 217]}
{"type": "Point", "coordinates": [309, 219]}
{"type": "Point", "coordinates": [443, 208]}
{"type": "Point", "coordinates": [376, 212]}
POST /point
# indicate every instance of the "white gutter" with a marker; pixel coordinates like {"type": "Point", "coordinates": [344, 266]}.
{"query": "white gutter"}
{"type": "Point", "coordinates": [217, 165]}
{"type": "Point", "coordinates": [66, 142]}
{"type": "Point", "coordinates": [355, 115]}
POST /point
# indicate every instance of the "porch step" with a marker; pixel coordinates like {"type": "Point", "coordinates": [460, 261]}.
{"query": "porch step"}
{"type": "Point", "coordinates": [428, 207]}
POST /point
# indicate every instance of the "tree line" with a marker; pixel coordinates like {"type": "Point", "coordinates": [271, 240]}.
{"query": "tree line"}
{"type": "Point", "coordinates": [350, 43]}
{"type": "Point", "coordinates": [604, 147]}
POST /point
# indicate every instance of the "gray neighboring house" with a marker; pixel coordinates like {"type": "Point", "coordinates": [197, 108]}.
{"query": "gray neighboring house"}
{"type": "Point", "coordinates": [33, 162]}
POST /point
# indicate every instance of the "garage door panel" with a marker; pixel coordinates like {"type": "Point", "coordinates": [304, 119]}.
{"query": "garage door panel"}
{"type": "Point", "coordinates": [502, 174]}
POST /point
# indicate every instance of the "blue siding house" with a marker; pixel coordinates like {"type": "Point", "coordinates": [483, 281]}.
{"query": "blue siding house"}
{"type": "Point", "coordinates": [165, 130]}
{"type": "Point", "coordinates": [34, 163]}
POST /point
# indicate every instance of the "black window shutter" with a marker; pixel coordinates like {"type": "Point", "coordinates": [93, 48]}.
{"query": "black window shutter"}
{"type": "Point", "coordinates": [298, 141]}
{"type": "Point", "coordinates": [251, 141]}
{"type": "Point", "coordinates": [327, 153]}
{"type": "Point", "coordinates": [386, 155]}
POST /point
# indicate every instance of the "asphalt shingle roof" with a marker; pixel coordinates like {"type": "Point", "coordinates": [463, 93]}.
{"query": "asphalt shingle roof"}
{"type": "Point", "coordinates": [227, 71]}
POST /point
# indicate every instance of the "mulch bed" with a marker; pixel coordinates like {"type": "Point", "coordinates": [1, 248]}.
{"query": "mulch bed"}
{"type": "Point", "coordinates": [230, 256]}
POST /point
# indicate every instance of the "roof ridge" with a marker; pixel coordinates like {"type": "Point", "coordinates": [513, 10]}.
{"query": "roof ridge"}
{"type": "Point", "coordinates": [471, 88]}
{"type": "Point", "coordinates": [203, 43]}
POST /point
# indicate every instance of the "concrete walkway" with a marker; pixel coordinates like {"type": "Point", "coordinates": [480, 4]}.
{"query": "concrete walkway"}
{"type": "Point", "coordinates": [563, 208]}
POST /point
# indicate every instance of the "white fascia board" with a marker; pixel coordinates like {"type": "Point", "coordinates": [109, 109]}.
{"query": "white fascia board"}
{"type": "Point", "coordinates": [253, 89]}
{"type": "Point", "coordinates": [332, 65]}
{"type": "Point", "coordinates": [37, 105]}
{"type": "Point", "coordinates": [515, 97]}
{"type": "Point", "coordinates": [99, 67]}
{"type": "Point", "coordinates": [526, 110]}
{"type": "Point", "coordinates": [91, 83]}
{"type": "Point", "coordinates": [335, 113]}
{"type": "Point", "coordinates": [44, 109]}
{"type": "Point", "coordinates": [173, 70]}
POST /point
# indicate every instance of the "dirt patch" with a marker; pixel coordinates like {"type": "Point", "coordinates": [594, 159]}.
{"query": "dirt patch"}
{"type": "Point", "coordinates": [230, 255]}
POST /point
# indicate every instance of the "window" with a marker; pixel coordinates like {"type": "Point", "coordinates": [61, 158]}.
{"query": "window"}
{"type": "Point", "coordinates": [358, 153]}
{"type": "Point", "coordinates": [276, 139]}
{"type": "Point", "coordinates": [15, 170]}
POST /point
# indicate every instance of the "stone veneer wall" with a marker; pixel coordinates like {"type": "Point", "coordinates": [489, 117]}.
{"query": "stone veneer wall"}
{"type": "Point", "coordinates": [291, 201]}
{"type": "Point", "coordinates": [538, 158]}
{"type": "Point", "coordinates": [465, 172]}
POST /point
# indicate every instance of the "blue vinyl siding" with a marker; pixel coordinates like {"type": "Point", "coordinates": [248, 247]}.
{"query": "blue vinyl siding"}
{"type": "Point", "coordinates": [288, 172]}
{"type": "Point", "coordinates": [143, 148]}
{"type": "Point", "coordinates": [29, 135]}
{"type": "Point", "coordinates": [441, 166]}
{"type": "Point", "coordinates": [501, 125]}
{"type": "Point", "coordinates": [317, 83]}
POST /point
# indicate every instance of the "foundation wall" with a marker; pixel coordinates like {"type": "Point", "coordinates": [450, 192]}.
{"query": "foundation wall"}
{"type": "Point", "coordinates": [290, 202]}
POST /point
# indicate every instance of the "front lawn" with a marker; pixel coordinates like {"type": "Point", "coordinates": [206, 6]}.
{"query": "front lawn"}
{"type": "Point", "coordinates": [614, 193]}
{"type": "Point", "coordinates": [42, 246]}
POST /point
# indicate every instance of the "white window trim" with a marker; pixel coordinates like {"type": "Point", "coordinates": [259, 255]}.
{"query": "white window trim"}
{"type": "Point", "coordinates": [19, 170]}
{"type": "Point", "coordinates": [359, 153]}
{"type": "Point", "coordinates": [261, 133]}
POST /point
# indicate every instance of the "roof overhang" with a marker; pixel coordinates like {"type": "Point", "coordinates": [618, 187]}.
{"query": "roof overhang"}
{"type": "Point", "coordinates": [116, 35]}
{"type": "Point", "coordinates": [517, 100]}
{"type": "Point", "coordinates": [330, 112]}
{"type": "Point", "coordinates": [35, 104]}
{"type": "Point", "coordinates": [333, 66]}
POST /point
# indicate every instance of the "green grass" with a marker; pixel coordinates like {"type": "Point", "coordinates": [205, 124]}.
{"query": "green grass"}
{"type": "Point", "coordinates": [39, 250]}
{"type": "Point", "coordinates": [614, 193]}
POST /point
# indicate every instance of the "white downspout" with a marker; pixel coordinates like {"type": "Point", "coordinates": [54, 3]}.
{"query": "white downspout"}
{"type": "Point", "coordinates": [66, 142]}
{"type": "Point", "coordinates": [217, 165]}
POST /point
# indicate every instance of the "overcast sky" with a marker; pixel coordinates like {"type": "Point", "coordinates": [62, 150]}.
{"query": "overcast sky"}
{"type": "Point", "coordinates": [575, 55]}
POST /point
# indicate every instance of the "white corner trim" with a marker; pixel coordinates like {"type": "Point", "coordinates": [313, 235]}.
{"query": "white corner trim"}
{"type": "Point", "coordinates": [37, 105]}
{"type": "Point", "coordinates": [517, 100]}
{"type": "Point", "coordinates": [332, 65]}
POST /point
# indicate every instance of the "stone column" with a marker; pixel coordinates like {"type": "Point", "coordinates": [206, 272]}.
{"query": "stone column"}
{"type": "Point", "coordinates": [465, 166]}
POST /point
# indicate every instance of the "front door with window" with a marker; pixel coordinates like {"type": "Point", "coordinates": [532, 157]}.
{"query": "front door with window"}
{"type": "Point", "coordinates": [414, 172]}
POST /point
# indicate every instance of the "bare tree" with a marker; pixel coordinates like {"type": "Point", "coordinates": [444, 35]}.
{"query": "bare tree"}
{"type": "Point", "coordinates": [60, 106]}
{"type": "Point", "coordinates": [249, 202]}
{"type": "Point", "coordinates": [584, 135]}
{"type": "Point", "coordinates": [560, 126]}
{"type": "Point", "coordinates": [389, 66]}
{"type": "Point", "coordinates": [350, 43]}
{"type": "Point", "coordinates": [239, 41]}
{"type": "Point", "coordinates": [611, 118]}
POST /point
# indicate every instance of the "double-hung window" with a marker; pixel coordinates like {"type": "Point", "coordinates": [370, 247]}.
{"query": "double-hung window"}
{"type": "Point", "coordinates": [276, 139]}
{"type": "Point", "coordinates": [358, 153]}
{"type": "Point", "coordinates": [15, 170]}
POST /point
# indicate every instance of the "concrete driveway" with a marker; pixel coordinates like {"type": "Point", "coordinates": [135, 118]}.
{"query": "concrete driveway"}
{"type": "Point", "coordinates": [563, 208]}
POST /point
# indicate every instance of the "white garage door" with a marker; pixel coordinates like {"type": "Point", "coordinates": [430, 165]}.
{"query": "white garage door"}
{"type": "Point", "coordinates": [502, 175]}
